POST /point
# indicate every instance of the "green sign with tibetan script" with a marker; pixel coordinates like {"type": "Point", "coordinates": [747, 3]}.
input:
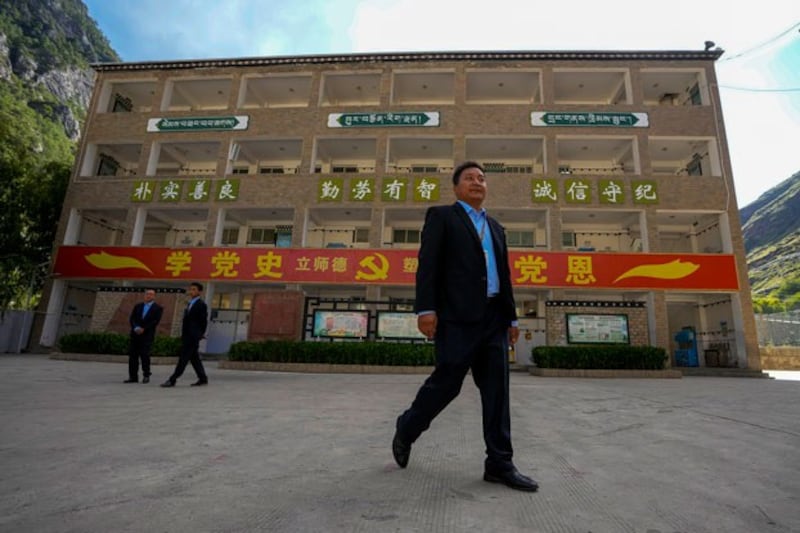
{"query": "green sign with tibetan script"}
{"type": "Point", "coordinates": [378, 120]}
{"type": "Point", "coordinates": [238, 122]}
{"type": "Point", "coordinates": [603, 119]}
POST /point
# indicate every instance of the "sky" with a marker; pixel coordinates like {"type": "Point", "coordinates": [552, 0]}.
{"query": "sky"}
{"type": "Point", "coordinates": [758, 76]}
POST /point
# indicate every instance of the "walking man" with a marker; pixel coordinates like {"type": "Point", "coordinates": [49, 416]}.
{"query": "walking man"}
{"type": "Point", "coordinates": [465, 303]}
{"type": "Point", "coordinates": [143, 320]}
{"type": "Point", "coordinates": [193, 329]}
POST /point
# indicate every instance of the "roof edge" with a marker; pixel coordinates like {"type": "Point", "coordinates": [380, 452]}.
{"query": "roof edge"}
{"type": "Point", "coordinates": [596, 55]}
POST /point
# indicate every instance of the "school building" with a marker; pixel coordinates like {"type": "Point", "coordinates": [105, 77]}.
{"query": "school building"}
{"type": "Point", "coordinates": [295, 189]}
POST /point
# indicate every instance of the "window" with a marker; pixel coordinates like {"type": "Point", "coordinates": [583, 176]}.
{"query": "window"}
{"type": "Point", "coordinates": [564, 169]}
{"type": "Point", "coordinates": [270, 170]}
{"type": "Point", "coordinates": [344, 169]}
{"type": "Point", "coordinates": [261, 236]}
{"type": "Point", "coordinates": [361, 235]}
{"type": "Point", "coordinates": [408, 236]}
{"type": "Point", "coordinates": [108, 166]}
{"type": "Point", "coordinates": [122, 104]}
{"type": "Point", "coordinates": [695, 166]}
{"type": "Point", "coordinates": [230, 235]}
{"type": "Point", "coordinates": [568, 238]}
{"type": "Point", "coordinates": [424, 168]}
{"type": "Point", "coordinates": [240, 170]}
{"type": "Point", "coordinates": [518, 169]}
{"type": "Point", "coordinates": [694, 95]}
{"type": "Point", "coordinates": [520, 239]}
{"type": "Point", "coordinates": [283, 236]}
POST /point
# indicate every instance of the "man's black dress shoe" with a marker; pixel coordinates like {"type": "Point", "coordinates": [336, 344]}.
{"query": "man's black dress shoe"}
{"type": "Point", "coordinates": [513, 479]}
{"type": "Point", "coordinates": [400, 450]}
{"type": "Point", "coordinates": [146, 379]}
{"type": "Point", "coordinates": [131, 381]}
{"type": "Point", "coordinates": [168, 383]}
{"type": "Point", "coordinates": [199, 383]}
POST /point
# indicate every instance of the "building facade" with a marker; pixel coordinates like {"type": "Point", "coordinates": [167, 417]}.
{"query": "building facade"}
{"type": "Point", "coordinates": [297, 179]}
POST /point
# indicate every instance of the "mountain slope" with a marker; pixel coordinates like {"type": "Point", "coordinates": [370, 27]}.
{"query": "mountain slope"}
{"type": "Point", "coordinates": [771, 230]}
{"type": "Point", "coordinates": [46, 47]}
{"type": "Point", "coordinates": [45, 50]}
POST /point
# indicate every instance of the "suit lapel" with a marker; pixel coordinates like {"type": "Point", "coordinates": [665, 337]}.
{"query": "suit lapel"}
{"type": "Point", "coordinates": [461, 213]}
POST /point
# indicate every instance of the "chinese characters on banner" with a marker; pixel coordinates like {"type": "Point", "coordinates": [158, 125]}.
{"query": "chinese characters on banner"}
{"type": "Point", "coordinates": [393, 267]}
{"type": "Point", "coordinates": [583, 190]}
{"type": "Point", "coordinates": [367, 189]}
{"type": "Point", "coordinates": [193, 190]}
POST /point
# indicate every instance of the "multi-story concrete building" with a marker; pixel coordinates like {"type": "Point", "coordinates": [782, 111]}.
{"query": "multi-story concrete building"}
{"type": "Point", "coordinates": [282, 179]}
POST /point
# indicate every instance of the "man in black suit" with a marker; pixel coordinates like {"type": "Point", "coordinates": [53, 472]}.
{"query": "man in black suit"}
{"type": "Point", "coordinates": [465, 303]}
{"type": "Point", "coordinates": [143, 320]}
{"type": "Point", "coordinates": [193, 329]}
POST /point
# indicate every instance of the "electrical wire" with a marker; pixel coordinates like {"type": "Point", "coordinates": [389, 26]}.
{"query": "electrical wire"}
{"type": "Point", "coordinates": [755, 90]}
{"type": "Point", "coordinates": [765, 43]}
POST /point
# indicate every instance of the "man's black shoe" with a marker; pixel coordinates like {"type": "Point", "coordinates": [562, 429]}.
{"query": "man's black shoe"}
{"type": "Point", "coordinates": [512, 478]}
{"type": "Point", "coordinates": [146, 379]}
{"type": "Point", "coordinates": [400, 450]}
{"type": "Point", "coordinates": [168, 383]}
{"type": "Point", "coordinates": [131, 381]}
{"type": "Point", "coordinates": [199, 383]}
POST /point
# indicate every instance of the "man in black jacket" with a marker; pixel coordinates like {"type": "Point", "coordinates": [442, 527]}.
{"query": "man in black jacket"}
{"type": "Point", "coordinates": [143, 320]}
{"type": "Point", "coordinates": [464, 301]}
{"type": "Point", "coordinates": [193, 329]}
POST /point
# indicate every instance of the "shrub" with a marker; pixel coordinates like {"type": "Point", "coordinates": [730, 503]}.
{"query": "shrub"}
{"type": "Point", "coordinates": [337, 353]}
{"type": "Point", "coordinates": [600, 357]}
{"type": "Point", "coordinates": [114, 344]}
{"type": "Point", "coordinates": [104, 343]}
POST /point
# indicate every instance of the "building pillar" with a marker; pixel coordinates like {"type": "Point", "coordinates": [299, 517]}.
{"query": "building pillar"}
{"type": "Point", "coordinates": [52, 317]}
{"type": "Point", "coordinates": [138, 226]}
{"type": "Point", "coordinates": [73, 229]}
{"type": "Point", "coordinates": [657, 321]}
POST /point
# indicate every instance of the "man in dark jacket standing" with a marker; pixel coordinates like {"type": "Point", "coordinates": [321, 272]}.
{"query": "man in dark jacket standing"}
{"type": "Point", "coordinates": [464, 301]}
{"type": "Point", "coordinates": [193, 329]}
{"type": "Point", "coordinates": [143, 320]}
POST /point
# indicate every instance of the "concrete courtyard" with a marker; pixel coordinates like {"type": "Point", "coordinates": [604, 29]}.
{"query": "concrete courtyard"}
{"type": "Point", "coordinates": [254, 451]}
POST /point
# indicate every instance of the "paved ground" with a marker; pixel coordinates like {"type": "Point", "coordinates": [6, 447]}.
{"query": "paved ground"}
{"type": "Point", "coordinates": [255, 451]}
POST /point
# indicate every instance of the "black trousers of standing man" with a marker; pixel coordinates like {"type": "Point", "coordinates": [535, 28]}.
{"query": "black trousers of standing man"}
{"type": "Point", "coordinates": [139, 348]}
{"type": "Point", "coordinates": [189, 354]}
{"type": "Point", "coordinates": [483, 348]}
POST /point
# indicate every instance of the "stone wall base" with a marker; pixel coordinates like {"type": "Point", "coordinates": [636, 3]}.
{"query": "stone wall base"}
{"type": "Point", "coordinates": [319, 368]}
{"type": "Point", "coordinates": [603, 373]}
{"type": "Point", "coordinates": [102, 358]}
{"type": "Point", "coordinates": [780, 357]}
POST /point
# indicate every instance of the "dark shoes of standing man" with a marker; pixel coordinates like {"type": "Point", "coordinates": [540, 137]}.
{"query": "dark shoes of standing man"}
{"type": "Point", "coordinates": [145, 379]}
{"type": "Point", "coordinates": [511, 478]}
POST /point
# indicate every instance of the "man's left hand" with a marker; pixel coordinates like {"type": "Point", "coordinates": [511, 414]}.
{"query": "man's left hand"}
{"type": "Point", "coordinates": [513, 334]}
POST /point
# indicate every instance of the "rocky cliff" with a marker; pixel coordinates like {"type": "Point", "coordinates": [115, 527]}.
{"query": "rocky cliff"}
{"type": "Point", "coordinates": [46, 47]}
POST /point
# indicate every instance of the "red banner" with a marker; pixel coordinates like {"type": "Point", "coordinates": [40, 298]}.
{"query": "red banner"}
{"type": "Point", "coordinates": [392, 267]}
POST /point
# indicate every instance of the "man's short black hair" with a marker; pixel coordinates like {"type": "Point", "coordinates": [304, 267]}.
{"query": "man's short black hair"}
{"type": "Point", "coordinates": [464, 166]}
{"type": "Point", "coordinates": [197, 284]}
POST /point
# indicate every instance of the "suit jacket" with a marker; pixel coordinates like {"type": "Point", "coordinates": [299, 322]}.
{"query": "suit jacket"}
{"type": "Point", "coordinates": [195, 321]}
{"type": "Point", "coordinates": [149, 322]}
{"type": "Point", "coordinates": [451, 272]}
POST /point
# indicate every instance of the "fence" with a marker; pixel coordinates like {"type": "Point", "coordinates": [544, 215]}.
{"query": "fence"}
{"type": "Point", "coordinates": [779, 329]}
{"type": "Point", "coordinates": [15, 327]}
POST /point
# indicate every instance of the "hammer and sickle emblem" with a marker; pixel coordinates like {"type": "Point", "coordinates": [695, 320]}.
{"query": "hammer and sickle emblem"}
{"type": "Point", "coordinates": [376, 271]}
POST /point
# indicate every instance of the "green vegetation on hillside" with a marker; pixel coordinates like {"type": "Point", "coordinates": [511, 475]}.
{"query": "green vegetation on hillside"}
{"type": "Point", "coordinates": [771, 234]}
{"type": "Point", "coordinates": [36, 154]}
{"type": "Point", "coordinates": [35, 162]}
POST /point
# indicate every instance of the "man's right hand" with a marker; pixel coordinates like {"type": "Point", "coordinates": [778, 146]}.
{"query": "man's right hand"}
{"type": "Point", "coordinates": [427, 324]}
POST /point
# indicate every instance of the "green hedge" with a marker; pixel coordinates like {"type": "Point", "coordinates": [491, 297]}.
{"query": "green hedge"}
{"type": "Point", "coordinates": [115, 344]}
{"type": "Point", "coordinates": [600, 357]}
{"type": "Point", "coordinates": [336, 353]}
